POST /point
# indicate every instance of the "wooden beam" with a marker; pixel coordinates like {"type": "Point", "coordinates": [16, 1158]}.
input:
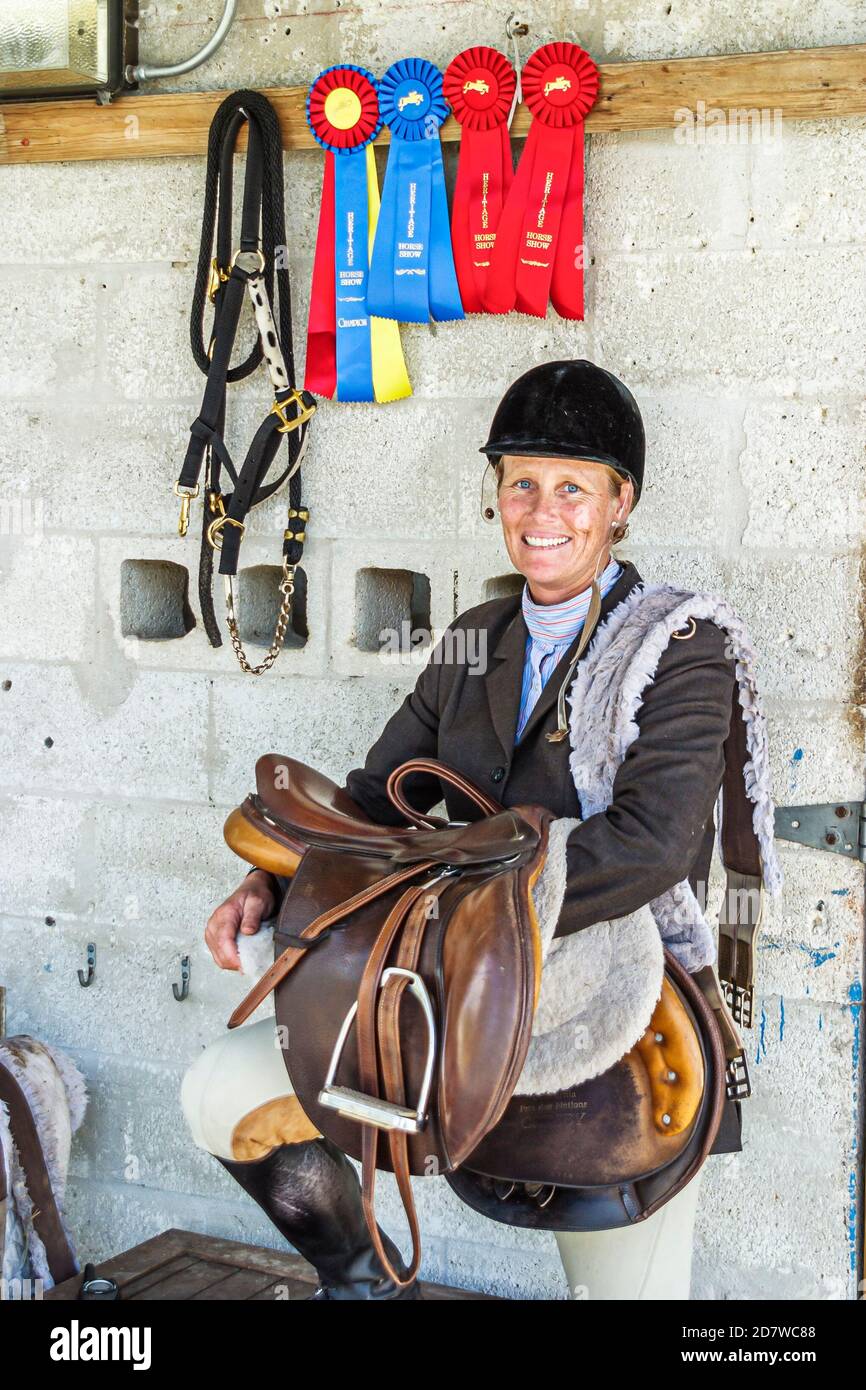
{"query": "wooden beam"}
{"type": "Point", "coordinates": [807, 82]}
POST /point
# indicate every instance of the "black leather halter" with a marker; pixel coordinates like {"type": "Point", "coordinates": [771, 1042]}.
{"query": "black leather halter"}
{"type": "Point", "coordinates": [257, 269]}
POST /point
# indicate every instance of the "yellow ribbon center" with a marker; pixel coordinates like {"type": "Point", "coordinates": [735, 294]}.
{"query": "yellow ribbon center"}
{"type": "Point", "coordinates": [343, 108]}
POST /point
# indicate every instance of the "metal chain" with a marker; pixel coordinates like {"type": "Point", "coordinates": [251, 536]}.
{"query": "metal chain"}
{"type": "Point", "coordinates": [287, 589]}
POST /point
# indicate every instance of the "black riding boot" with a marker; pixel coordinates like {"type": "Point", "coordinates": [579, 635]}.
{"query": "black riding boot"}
{"type": "Point", "coordinates": [311, 1193]}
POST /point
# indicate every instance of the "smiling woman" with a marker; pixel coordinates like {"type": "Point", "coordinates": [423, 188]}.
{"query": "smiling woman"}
{"type": "Point", "coordinates": [631, 773]}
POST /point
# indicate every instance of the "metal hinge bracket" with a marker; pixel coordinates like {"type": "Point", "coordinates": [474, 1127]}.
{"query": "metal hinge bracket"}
{"type": "Point", "coordinates": [839, 827]}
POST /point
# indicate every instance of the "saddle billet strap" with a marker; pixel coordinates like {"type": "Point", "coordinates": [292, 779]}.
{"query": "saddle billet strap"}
{"type": "Point", "coordinates": [432, 766]}
{"type": "Point", "coordinates": [46, 1217]}
{"type": "Point", "coordinates": [392, 1062]}
{"type": "Point", "coordinates": [290, 957]}
{"type": "Point", "coordinates": [410, 914]}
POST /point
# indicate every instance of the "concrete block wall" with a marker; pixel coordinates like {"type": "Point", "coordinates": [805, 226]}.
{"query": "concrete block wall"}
{"type": "Point", "coordinates": [725, 287]}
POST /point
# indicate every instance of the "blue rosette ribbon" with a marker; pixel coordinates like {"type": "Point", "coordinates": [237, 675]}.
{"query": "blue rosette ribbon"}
{"type": "Point", "coordinates": [412, 276]}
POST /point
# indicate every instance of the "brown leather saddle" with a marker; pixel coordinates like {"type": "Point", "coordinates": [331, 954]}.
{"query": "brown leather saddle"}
{"type": "Point", "coordinates": [444, 912]}
{"type": "Point", "coordinates": [407, 971]}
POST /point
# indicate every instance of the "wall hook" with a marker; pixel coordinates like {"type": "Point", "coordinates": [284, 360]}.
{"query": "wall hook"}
{"type": "Point", "coordinates": [181, 993]}
{"type": "Point", "coordinates": [86, 980]}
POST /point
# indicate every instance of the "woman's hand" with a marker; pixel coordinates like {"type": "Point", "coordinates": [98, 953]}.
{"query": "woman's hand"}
{"type": "Point", "coordinates": [244, 912]}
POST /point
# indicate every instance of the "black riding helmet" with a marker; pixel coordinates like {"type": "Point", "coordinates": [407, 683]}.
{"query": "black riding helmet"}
{"type": "Point", "coordinates": [571, 409]}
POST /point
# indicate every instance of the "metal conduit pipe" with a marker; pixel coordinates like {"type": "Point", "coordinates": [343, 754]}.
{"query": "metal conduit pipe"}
{"type": "Point", "coordinates": [142, 72]}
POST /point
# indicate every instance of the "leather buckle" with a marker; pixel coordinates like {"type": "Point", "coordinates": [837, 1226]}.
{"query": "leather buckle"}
{"type": "Point", "coordinates": [248, 264]}
{"type": "Point", "coordinates": [372, 1110]}
{"type": "Point", "coordinates": [305, 412]}
{"type": "Point", "coordinates": [740, 1001]}
{"type": "Point", "coordinates": [738, 1086]}
{"type": "Point", "coordinates": [216, 526]}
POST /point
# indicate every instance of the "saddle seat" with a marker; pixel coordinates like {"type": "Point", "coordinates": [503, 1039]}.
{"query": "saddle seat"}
{"type": "Point", "coordinates": [306, 808]}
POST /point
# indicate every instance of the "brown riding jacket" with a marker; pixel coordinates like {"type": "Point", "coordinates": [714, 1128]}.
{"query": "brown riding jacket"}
{"type": "Point", "coordinates": [659, 827]}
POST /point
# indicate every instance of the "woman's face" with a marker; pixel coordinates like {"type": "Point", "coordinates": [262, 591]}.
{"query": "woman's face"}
{"type": "Point", "coordinates": [556, 518]}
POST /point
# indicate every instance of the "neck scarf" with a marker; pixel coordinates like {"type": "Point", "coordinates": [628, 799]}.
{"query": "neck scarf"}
{"type": "Point", "coordinates": [552, 628]}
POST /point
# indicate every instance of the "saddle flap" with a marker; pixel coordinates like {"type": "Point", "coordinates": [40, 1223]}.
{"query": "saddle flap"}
{"type": "Point", "coordinates": [490, 967]}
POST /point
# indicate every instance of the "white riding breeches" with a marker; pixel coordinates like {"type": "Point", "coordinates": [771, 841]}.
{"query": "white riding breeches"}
{"type": "Point", "coordinates": [239, 1104]}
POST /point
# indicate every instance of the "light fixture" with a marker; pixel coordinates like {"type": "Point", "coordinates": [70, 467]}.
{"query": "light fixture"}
{"type": "Point", "coordinates": [62, 48]}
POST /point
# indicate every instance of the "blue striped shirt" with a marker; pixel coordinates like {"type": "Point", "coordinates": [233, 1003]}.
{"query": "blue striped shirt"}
{"type": "Point", "coordinates": [552, 629]}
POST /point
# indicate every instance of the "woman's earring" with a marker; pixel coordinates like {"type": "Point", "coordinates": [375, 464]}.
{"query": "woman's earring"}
{"type": "Point", "coordinates": [489, 494]}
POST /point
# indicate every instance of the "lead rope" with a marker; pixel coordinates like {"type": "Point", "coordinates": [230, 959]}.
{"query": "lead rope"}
{"type": "Point", "coordinates": [260, 267]}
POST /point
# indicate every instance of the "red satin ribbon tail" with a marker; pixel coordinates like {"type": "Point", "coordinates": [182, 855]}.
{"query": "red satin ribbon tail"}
{"type": "Point", "coordinates": [500, 292]}
{"type": "Point", "coordinates": [320, 368]}
{"type": "Point", "coordinates": [541, 225]}
{"type": "Point", "coordinates": [567, 284]}
{"type": "Point", "coordinates": [486, 197]}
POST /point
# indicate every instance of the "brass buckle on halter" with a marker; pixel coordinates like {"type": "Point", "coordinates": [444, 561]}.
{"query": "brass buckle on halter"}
{"type": "Point", "coordinates": [218, 277]}
{"type": "Point", "coordinates": [185, 498]}
{"type": "Point", "coordinates": [216, 526]}
{"type": "Point", "coordinates": [249, 263]}
{"type": "Point", "coordinates": [305, 412]}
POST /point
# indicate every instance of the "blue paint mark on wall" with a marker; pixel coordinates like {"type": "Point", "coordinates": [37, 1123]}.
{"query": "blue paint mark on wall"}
{"type": "Point", "coordinates": [840, 892]}
{"type": "Point", "coordinates": [817, 956]}
{"type": "Point", "coordinates": [762, 1038]}
{"type": "Point", "coordinates": [796, 755]}
{"type": "Point", "coordinates": [781, 1017]}
{"type": "Point", "coordinates": [820, 1023]}
{"type": "Point", "coordinates": [794, 767]}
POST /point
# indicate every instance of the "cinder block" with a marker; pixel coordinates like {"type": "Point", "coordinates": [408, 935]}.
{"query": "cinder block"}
{"type": "Point", "coordinates": [802, 615]}
{"type": "Point", "coordinates": [118, 733]}
{"type": "Point", "coordinates": [384, 471]}
{"type": "Point", "coordinates": [273, 46]}
{"type": "Point", "coordinates": [798, 1135]}
{"type": "Point", "coordinates": [481, 355]}
{"type": "Point", "coordinates": [802, 469]}
{"type": "Point", "coordinates": [691, 317]}
{"type": "Point", "coordinates": [627, 34]}
{"type": "Point", "coordinates": [147, 352]}
{"type": "Point", "coordinates": [166, 863]}
{"type": "Point", "coordinates": [816, 753]}
{"type": "Point", "coordinates": [802, 191]}
{"type": "Point", "coordinates": [43, 885]}
{"type": "Point", "coordinates": [112, 466]}
{"type": "Point", "coordinates": [48, 330]}
{"type": "Point", "coordinates": [114, 210]}
{"type": "Point", "coordinates": [809, 944]}
{"type": "Point", "coordinates": [705, 197]}
{"type": "Point", "coordinates": [129, 1010]}
{"type": "Point", "coordinates": [47, 600]}
{"type": "Point", "coordinates": [329, 723]}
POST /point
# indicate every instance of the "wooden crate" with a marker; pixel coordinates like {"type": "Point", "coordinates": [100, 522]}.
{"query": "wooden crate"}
{"type": "Point", "coordinates": [187, 1267]}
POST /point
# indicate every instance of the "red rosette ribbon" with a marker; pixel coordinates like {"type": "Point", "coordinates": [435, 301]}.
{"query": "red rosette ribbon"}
{"type": "Point", "coordinates": [479, 85]}
{"type": "Point", "coordinates": [538, 253]}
